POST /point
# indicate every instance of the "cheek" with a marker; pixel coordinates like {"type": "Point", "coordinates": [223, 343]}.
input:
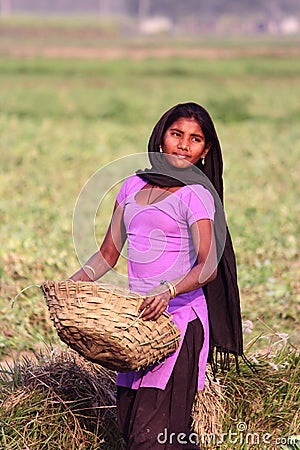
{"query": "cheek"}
{"type": "Point", "coordinates": [197, 155]}
{"type": "Point", "coordinates": [167, 143]}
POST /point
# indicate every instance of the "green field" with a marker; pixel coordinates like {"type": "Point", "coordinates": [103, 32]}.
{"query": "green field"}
{"type": "Point", "coordinates": [64, 116]}
{"type": "Point", "coordinates": [61, 119]}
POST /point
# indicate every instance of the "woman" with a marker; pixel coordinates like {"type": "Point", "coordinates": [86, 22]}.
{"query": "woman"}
{"type": "Point", "coordinates": [180, 256]}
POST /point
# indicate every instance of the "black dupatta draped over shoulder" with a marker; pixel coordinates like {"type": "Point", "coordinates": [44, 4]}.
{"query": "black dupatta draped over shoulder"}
{"type": "Point", "coordinates": [222, 294]}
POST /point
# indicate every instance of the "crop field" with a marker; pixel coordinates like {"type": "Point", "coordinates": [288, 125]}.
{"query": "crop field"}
{"type": "Point", "coordinates": [66, 114]}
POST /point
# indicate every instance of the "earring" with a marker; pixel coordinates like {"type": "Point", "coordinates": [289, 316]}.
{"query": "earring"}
{"type": "Point", "coordinates": [203, 160]}
{"type": "Point", "coordinates": [160, 149]}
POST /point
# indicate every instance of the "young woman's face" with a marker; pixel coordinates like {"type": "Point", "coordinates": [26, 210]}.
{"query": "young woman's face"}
{"type": "Point", "coordinates": [185, 142]}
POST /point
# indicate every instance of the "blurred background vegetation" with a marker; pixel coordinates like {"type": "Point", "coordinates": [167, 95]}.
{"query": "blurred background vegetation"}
{"type": "Point", "coordinates": [80, 88]}
{"type": "Point", "coordinates": [66, 113]}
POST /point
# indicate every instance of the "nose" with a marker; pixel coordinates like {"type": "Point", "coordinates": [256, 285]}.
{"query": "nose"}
{"type": "Point", "coordinates": [183, 146]}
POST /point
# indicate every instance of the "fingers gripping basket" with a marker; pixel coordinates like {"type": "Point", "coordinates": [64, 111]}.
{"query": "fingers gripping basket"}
{"type": "Point", "coordinates": [102, 323]}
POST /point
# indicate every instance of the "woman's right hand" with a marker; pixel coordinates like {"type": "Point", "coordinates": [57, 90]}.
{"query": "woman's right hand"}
{"type": "Point", "coordinates": [155, 303]}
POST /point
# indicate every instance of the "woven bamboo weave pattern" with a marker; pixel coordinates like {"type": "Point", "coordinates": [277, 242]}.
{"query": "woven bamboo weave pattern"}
{"type": "Point", "coordinates": [102, 323]}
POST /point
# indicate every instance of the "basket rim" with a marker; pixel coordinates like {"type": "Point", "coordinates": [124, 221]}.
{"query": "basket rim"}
{"type": "Point", "coordinates": [124, 292]}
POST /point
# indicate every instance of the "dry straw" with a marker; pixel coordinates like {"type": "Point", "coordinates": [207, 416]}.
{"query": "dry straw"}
{"type": "Point", "coordinates": [208, 411]}
{"type": "Point", "coordinates": [102, 323]}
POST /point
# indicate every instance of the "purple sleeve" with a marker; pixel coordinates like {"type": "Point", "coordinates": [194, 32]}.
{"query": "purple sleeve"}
{"type": "Point", "coordinates": [200, 204]}
{"type": "Point", "coordinates": [130, 186]}
{"type": "Point", "coordinates": [122, 193]}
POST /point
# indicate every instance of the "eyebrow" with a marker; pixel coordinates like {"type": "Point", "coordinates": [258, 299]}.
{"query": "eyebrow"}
{"type": "Point", "coordinates": [193, 134]}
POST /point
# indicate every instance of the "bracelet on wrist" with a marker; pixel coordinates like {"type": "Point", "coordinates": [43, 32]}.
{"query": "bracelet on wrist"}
{"type": "Point", "coordinates": [91, 269]}
{"type": "Point", "coordinates": [171, 287]}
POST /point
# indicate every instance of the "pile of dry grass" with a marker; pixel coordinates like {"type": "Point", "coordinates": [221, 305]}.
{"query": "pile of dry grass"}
{"type": "Point", "coordinates": [209, 409]}
{"type": "Point", "coordinates": [261, 405]}
{"type": "Point", "coordinates": [58, 401]}
{"type": "Point", "coordinates": [61, 401]}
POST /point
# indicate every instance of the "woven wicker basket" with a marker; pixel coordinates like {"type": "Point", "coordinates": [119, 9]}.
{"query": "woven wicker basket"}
{"type": "Point", "coordinates": [102, 324]}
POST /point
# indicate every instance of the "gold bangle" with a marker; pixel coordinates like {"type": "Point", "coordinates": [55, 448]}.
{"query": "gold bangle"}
{"type": "Point", "coordinates": [91, 269]}
{"type": "Point", "coordinates": [171, 287]}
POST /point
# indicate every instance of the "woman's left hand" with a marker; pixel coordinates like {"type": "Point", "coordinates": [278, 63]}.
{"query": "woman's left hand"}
{"type": "Point", "coordinates": [156, 302]}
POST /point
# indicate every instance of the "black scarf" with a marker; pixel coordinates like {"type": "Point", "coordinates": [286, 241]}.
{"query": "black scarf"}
{"type": "Point", "coordinates": [222, 294]}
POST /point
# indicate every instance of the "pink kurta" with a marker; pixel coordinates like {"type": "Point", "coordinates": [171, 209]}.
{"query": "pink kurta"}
{"type": "Point", "coordinates": [160, 247]}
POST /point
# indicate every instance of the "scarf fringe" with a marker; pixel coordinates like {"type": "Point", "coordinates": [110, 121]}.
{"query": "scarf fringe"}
{"type": "Point", "coordinates": [249, 364]}
{"type": "Point", "coordinates": [221, 359]}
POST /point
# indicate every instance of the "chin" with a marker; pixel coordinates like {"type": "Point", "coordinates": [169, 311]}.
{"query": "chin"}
{"type": "Point", "coordinates": [181, 164]}
{"type": "Point", "coordinates": [178, 163]}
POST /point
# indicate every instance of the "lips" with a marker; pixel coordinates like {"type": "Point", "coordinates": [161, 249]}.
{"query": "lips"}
{"type": "Point", "coordinates": [178, 155]}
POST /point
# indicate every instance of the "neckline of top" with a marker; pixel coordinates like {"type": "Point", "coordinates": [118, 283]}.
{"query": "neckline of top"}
{"type": "Point", "coordinates": [160, 198]}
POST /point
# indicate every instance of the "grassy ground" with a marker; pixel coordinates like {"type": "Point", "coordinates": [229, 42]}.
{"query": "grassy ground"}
{"type": "Point", "coordinates": [57, 400]}
{"type": "Point", "coordinates": [62, 119]}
